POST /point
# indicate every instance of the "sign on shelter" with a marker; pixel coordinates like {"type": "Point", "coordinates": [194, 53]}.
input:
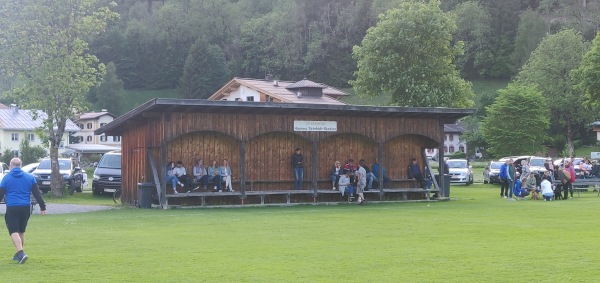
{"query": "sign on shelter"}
{"type": "Point", "coordinates": [315, 126]}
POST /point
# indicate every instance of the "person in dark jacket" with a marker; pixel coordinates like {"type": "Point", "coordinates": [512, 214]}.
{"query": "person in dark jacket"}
{"type": "Point", "coordinates": [298, 167]}
{"type": "Point", "coordinates": [18, 186]}
{"type": "Point", "coordinates": [414, 172]}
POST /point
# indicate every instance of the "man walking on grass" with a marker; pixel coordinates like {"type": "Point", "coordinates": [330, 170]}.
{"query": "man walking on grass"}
{"type": "Point", "coordinates": [18, 186]}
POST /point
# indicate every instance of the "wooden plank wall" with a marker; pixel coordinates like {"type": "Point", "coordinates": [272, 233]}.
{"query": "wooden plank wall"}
{"type": "Point", "coordinates": [268, 157]}
{"type": "Point", "coordinates": [342, 147]}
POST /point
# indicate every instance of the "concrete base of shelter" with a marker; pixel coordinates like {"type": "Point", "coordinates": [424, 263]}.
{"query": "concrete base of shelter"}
{"type": "Point", "coordinates": [295, 197]}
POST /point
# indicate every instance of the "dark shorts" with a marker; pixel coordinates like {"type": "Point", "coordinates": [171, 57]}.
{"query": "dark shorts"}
{"type": "Point", "coordinates": [16, 218]}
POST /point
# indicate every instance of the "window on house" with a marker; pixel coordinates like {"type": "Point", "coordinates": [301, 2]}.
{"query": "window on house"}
{"type": "Point", "coordinates": [116, 138]}
{"type": "Point", "coordinates": [80, 126]}
{"type": "Point", "coordinates": [270, 98]}
{"type": "Point", "coordinates": [452, 137]}
{"type": "Point", "coordinates": [249, 98]}
{"type": "Point", "coordinates": [451, 149]}
{"type": "Point", "coordinates": [89, 125]}
{"type": "Point", "coordinates": [89, 138]}
{"type": "Point", "coordinates": [461, 148]}
{"type": "Point", "coordinates": [31, 137]}
{"type": "Point", "coordinates": [14, 137]}
{"type": "Point", "coordinates": [15, 153]}
{"type": "Point", "coordinates": [80, 138]}
{"type": "Point", "coordinates": [447, 137]}
{"type": "Point", "coordinates": [103, 138]}
{"type": "Point", "coordinates": [445, 149]}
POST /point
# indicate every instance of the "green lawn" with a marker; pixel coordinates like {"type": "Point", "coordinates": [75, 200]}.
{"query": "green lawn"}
{"type": "Point", "coordinates": [476, 237]}
{"type": "Point", "coordinates": [586, 150]}
{"type": "Point", "coordinates": [135, 97]}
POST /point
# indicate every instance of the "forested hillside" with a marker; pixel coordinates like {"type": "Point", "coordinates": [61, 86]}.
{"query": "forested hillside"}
{"type": "Point", "coordinates": [166, 44]}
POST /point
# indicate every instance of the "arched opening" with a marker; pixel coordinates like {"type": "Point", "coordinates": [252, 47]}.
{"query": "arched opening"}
{"type": "Point", "coordinates": [400, 150]}
{"type": "Point", "coordinates": [342, 147]}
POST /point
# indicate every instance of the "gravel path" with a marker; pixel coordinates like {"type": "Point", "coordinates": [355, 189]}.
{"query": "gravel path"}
{"type": "Point", "coordinates": [59, 208]}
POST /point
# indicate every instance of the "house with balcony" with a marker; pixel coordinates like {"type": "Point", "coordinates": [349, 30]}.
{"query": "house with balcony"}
{"type": "Point", "coordinates": [91, 121]}
{"type": "Point", "coordinates": [271, 90]}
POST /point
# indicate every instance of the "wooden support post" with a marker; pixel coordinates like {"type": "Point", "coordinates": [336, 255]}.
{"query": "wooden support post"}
{"type": "Point", "coordinates": [314, 158]}
{"type": "Point", "coordinates": [243, 169]}
{"type": "Point", "coordinates": [159, 188]}
{"type": "Point", "coordinates": [441, 166]}
{"type": "Point", "coordinates": [163, 173]}
{"type": "Point", "coordinates": [380, 171]}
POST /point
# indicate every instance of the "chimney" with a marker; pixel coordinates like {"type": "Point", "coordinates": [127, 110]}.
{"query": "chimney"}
{"type": "Point", "coordinates": [268, 77]}
{"type": "Point", "coordinates": [275, 83]}
{"type": "Point", "coordinates": [15, 108]}
{"type": "Point", "coordinates": [103, 110]}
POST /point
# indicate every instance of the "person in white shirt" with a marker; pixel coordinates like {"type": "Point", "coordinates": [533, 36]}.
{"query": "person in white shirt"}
{"type": "Point", "coordinates": [344, 182]}
{"type": "Point", "coordinates": [547, 191]}
{"type": "Point", "coordinates": [362, 183]}
{"type": "Point", "coordinates": [181, 175]}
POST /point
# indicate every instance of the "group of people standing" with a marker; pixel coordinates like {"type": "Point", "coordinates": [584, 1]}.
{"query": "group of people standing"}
{"type": "Point", "coordinates": [526, 183]}
{"type": "Point", "coordinates": [202, 176]}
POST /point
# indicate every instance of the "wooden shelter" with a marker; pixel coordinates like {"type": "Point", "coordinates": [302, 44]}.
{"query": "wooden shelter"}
{"type": "Point", "coordinates": [258, 139]}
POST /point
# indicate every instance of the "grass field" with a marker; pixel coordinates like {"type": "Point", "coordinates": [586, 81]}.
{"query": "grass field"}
{"type": "Point", "coordinates": [476, 237]}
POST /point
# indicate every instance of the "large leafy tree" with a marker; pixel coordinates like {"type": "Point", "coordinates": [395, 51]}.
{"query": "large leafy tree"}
{"type": "Point", "coordinates": [588, 73]}
{"type": "Point", "coordinates": [43, 44]}
{"type": "Point", "coordinates": [517, 121]}
{"type": "Point", "coordinates": [549, 68]}
{"type": "Point", "coordinates": [532, 29]}
{"type": "Point", "coordinates": [409, 54]}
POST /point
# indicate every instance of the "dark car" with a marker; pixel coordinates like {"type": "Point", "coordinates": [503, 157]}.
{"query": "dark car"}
{"type": "Point", "coordinates": [107, 176]}
{"type": "Point", "coordinates": [72, 174]}
{"type": "Point", "coordinates": [491, 173]}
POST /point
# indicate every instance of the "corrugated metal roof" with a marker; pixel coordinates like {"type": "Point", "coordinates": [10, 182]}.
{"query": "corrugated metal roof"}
{"type": "Point", "coordinates": [22, 119]}
{"type": "Point", "coordinates": [454, 128]}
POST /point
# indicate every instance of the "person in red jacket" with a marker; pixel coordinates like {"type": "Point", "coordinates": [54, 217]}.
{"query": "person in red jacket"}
{"type": "Point", "coordinates": [569, 167]}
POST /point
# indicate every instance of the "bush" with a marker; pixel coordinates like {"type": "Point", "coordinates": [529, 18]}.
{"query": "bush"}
{"type": "Point", "coordinates": [7, 155]}
{"type": "Point", "coordinates": [457, 155]}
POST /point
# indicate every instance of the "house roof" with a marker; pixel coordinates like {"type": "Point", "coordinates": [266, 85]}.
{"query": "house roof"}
{"type": "Point", "coordinates": [454, 128]}
{"type": "Point", "coordinates": [91, 148]}
{"type": "Point", "coordinates": [94, 115]}
{"type": "Point", "coordinates": [22, 119]}
{"type": "Point", "coordinates": [282, 90]}
{"type": "Point", "coordinates": [169, 105]}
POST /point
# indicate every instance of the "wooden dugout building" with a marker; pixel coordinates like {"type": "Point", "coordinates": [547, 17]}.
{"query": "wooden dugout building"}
{"type": "Point", "coordinates": [258, 139]}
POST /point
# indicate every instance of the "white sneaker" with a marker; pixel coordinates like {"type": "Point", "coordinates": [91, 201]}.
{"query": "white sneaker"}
{"type": "Point", "coordinates": [505, 197]}
{"type": "Point", "coordinates": [511, 199]}
{"type": "Point", "coordinates": [179, 183]}
{"type": "Point", "coordinates": [215, 188]}
{"type": "Point", "coordinates": [175, 192]}
{"type": "Point", "coordinates": [333, 188]}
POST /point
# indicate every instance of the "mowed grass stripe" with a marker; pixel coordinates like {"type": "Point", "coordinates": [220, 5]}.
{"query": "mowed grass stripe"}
{"type": "Point", "coordinates": [475, 237]}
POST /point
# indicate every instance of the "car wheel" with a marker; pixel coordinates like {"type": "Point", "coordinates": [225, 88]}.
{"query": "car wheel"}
{"type": "Point", "coordinates": [45, 191]}
{"type": "Point", "coordinates": [485, 181]}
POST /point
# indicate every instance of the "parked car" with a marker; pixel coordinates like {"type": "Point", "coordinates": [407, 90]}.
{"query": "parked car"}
{"type": "Point", "coordinates": [491, 173]}
{"type": "Point", "coordinates": [107, 176]}
{"type": "Point", "coordinates": [4, 168]}
{"type": "Point", "coordinates": [72, 174]}
{"type": "Point", "coordinates": [460, 171]}
{"type": "Point", "coordinates": [536, 164]}
{"type": "Point", "coordinates": [30, 167]}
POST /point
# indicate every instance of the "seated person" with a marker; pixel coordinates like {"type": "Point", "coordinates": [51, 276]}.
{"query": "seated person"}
{"type": "Point", "coordinates": [226, 175]}
{"type": "Point", "coordinates": [520, 191]}
{"type": "Point", "coordinates": [171, 176]}
{"type": "Point", "coordinates": [181, 175]}
{"type": "Point", "coordinates": [345, 184]}
{"type": "Point", "coordinates": [414, 172]}
{"type": "Point", "coordinates": [214, 175]}
{"type": "Point", "coordinates": [584, 171]}
{"type": "Point", "coordinates": [351, 168]}
{"type": "Point", "coordinates": [200, 174]}
{"type": "Point", "coordinates": [336, 172]}
{"type": "Point", "coordinates": [547, 191]}
{"type": "Point", "coordinates": [532, 187]}
{"type": "Point", "coordinates": [386, 179]}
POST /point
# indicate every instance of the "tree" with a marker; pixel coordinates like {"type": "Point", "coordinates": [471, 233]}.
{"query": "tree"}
{"type": "Point", "coordinates": [409, 54]}
{"type": "Point", "coordinates": [549, 69]}
{"type": "Point", "coordinates": [588, 73]}
{"type": "Point", "coordinates": [532, 28]}
{"type": "Point", "coordinates": [475, 30]}
{"type": "Point", "coordinates": [517, 122]}
{"type": "Point", "coordinates": [109, 93]}
{"type": "Point", "coordinates": [31, 154]}
{"type": "Point", "coordinates": [204, 72]}
{"type": "Point", "coordinates": [44, 46]}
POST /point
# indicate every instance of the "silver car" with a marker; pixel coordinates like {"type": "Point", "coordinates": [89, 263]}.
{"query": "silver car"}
{"type": "Point", "coordinates": [460, 171]}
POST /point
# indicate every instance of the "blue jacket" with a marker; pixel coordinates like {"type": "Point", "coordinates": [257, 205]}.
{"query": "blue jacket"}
{"type": "Point", "coordinates": [18, 187]}
{"type": "Point", "coordinates": [517, 190]}
{"type": "Point", "coordinates": [503, 171]}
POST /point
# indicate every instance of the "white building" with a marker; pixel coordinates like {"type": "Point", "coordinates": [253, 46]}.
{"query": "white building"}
{"type": "Point", "coordinates": [91, 121]}
{"type": "Point", "coordinates": [452, 142]}
{"type": "Point", "coordinates": [18, 124]}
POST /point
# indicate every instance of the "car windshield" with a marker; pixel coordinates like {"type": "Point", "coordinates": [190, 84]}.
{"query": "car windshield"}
{"type": "Point", "coordinates": [457, 164]}
{"type": "Point", "coordinates": [63, 164]}
{"type": "Point", "coordinates": [538, 162]}
{"type": "Point", "coordinates": [110, 161]}
{"type": "Point", "coordinates": [496, 165]}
